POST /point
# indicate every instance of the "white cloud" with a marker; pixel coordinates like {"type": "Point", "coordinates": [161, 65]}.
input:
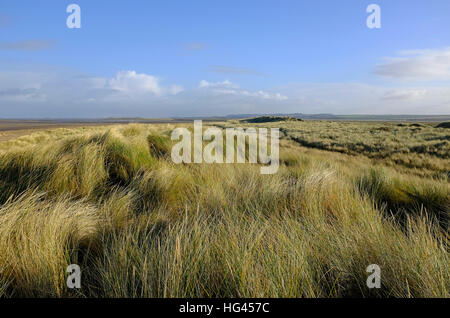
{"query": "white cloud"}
{"type": "Point", "coordinates": [225, 83]}
{"type": "Point", "coordinates": [418, 65]}
{"type": "Point", "coordinates": [129, 82]}
{"type": "Point", "coordinates": [360, 98]}
{"type": "Point", "coordinates": [398, 94]}
{"type": "Point", "coordinates": [128, 93]}
{"type": "Point", "coordinates": [226, 87]}
{"type": "Point", "coordinates": [267, 95]}
{"type": "Point", "coordinates": [63, 88]}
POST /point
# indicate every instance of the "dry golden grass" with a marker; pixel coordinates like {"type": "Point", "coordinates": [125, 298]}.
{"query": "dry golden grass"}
{"type": "Point", "coordinates": [419, 148]}
{"type": "Point", "coordinates": [111, 200]}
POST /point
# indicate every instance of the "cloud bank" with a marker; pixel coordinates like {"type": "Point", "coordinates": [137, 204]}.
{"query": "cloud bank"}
{"type": "Point", "coordinates": [421, 87]}
{"type": "Point", "coordinates": [417, 65]}
{"type": "Point", "coordinates": [127, 93]}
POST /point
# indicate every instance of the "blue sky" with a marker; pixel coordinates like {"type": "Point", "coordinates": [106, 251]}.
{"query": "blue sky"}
{"type": "Point", "coordinates": [169, 58]}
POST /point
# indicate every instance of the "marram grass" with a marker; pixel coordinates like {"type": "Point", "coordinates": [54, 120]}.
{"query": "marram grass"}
{"type": "Point", "coordinates": [110, 200]}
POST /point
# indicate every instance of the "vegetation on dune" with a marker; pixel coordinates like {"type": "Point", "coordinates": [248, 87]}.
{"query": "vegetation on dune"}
{"type": "Point", "coordinates": [112, 201]}
{"type": "Point", "coordinates": [417, 148]}
{"type": "Point", "coordinates": [444, 125]}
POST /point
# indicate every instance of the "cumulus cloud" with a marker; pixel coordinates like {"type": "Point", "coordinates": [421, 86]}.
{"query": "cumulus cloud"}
{"type": "Point", "coordinates": [130, 82]}
{"type": "Point", "coordinates": [419, 65]}
{"type": "Point", "coordinates": [124, 86]}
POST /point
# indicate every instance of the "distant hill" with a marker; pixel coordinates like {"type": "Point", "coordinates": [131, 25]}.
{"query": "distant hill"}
{"type": "Point", "coordinates": [181, 119]}
{"type": "Point", "coordinates": [407, 118]}
{"type": "Point", "coordinates": [269, 119]}
{"type": "Point", "coordinates": [293, 115]}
